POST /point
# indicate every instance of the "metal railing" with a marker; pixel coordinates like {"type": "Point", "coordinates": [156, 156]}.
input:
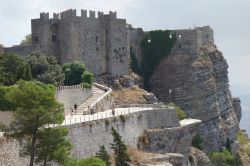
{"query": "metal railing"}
{"type": "Point", "coordinates": [75, 119]}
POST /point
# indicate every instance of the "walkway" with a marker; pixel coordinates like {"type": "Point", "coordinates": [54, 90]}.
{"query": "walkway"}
{"type": "Point", "coordinates": [83, 108]}
{"type": "Point", "coordinates": [73, 119]}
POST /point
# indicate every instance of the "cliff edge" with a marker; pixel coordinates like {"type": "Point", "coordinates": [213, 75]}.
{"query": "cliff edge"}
{"type": "Point", "coordinates": [199, 85]}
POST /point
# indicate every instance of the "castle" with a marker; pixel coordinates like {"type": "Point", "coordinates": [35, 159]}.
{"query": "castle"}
{"type": "Point", "coordinates": [102, 42]}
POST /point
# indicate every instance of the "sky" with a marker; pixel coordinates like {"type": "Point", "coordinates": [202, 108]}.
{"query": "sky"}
{"type": "Point", "coordinates": [230, 20]}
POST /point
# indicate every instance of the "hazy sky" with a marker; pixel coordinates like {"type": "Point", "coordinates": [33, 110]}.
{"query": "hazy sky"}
{"type": "Point", "coordinates": [230, 20]}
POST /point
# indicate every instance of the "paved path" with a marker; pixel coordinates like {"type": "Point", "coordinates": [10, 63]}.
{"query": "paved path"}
{"type": "Point", "coordinates": [97, 93]}
{"type": "Point", "coordinates": [73, 119]}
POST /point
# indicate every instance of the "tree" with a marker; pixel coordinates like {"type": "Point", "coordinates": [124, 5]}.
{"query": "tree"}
{"type": "Point", "coordinates": [228, 145]}
{"type": "Point", "coordinates": [35, 107]}
{"type": "Point", "coordinates": [27, 40]}
{"type": "Point", "coordinates": [87, 79]}
{"type": "Point", "coordinates": [52, 145]}
{"type": "Point", "coordinates": [197, 141]}
{"type": "Point", "coordinates": [45, 69]}
{"type": "Point", "coordinates": [121, 155]}
{"type": "Point", "coordinates": [73, 73]}
{"type": "Point", "coordinates": [103, 154]}
{"type": "Point", "coordinates": [5, 104]}
{"type": "Point", "coordinates": [13, 68]}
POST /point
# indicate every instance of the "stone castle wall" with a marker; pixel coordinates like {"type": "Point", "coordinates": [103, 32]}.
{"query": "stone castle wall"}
{"type": "Point", "coordinates": [100, 42]}
{"type": "Point", "coordinates": [20, 50]}
{"type": "Point", "coordinates": [88, 137]}
{"type": "Point", "coordinates": [70, 95]}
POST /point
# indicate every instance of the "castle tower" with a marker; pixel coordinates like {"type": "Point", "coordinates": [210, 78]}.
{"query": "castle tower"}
{"type": "Point", "coordinates": [45, 35]}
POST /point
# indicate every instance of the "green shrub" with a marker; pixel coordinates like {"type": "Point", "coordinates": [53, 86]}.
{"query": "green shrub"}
{"type": "Point", "coordinates": [242, 137]}
{"type": "Point", "coordinates": [122, 118]}
{"type": "Point", "coordinates": [87, 78]}
{"type": "Point", "coordinates": [225, 158]}
{"type": "Point", "coordinates": [179, 112]}
{"type": "Point", "coordinates": [197, 141]}
{"type": "Point", "coordinates": [92, 161]}
{"type": "Point", "coordinates": [73, 73]}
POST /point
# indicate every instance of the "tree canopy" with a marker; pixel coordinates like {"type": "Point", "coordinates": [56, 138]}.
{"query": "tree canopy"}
{"type": "Point", "coordinates": [13, 68]}
{"type": "Point", "coordinates": [73, 73]}
{"type": "Point", "coordinates": [37, 108]}
{"type": "Point", "coordinates": [45, 69]}
{"type": "Point", "coordinates": [27, 40]}
{"type": "Point", "coordinates": [52, 145]}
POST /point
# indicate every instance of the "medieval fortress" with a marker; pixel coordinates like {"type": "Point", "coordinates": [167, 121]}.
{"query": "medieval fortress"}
{"type": "Point", "coordinates": [102, 42]}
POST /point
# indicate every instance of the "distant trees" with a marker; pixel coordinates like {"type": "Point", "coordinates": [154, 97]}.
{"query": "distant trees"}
{"type": "Point", "coordinates": [13, 68]}
{"type": "Point", "coordinates": [27, 40]}
{"type": "Point", "coordinates": [35, 107]}
{"type": "Point", "coordinates": [45, 69]}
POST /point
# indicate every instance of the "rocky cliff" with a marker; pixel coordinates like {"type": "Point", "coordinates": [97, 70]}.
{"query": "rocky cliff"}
{"type": "Point", "coordinates": [199, 85]}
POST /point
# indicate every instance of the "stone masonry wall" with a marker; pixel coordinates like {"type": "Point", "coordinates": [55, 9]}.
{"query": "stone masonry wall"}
{"type": "Point", "coordinates": [69, 95]}
{"type": "Point", "coordinates": [20, 50]}
{"type": "Point", "coordinates": [87, 137]}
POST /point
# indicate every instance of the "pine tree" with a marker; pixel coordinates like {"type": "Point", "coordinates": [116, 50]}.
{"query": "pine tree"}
{"type": "Point", "coordinates": [228, 145]}
{"type": "Point", "coordinates": [103, 154]}
{"type": "Point", "coordinates": [121, 155]}
{"type": "Point", "coordinates": [197, 141]}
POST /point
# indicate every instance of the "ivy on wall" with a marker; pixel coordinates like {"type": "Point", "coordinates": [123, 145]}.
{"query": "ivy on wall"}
{"type": "Point", "coordinates": [155, 46]}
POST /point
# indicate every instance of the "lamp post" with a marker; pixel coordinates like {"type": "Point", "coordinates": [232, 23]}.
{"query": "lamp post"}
{"type": "Point", "coordinates": [170, 94]}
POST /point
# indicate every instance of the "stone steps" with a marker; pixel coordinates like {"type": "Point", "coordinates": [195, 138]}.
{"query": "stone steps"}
{"type": "Point", "coordinates": [83, 108]}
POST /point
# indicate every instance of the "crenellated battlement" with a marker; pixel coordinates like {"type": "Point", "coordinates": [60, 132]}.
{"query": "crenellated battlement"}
{"type": "Point", "coordinates": [72, 13]}
{"type": "Point", "coordinates": [44, 16]}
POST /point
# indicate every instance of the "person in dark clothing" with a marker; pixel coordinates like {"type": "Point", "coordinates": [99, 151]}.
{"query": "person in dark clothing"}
{"type": "Point", "coordinates": [75, 106]}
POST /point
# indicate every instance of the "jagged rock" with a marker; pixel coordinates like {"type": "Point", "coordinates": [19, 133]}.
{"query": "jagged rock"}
{"type": "Point", "coordinates": [130, 80]}
{"type": "Point", "coordinates": [150, 97]}
{"type": "Point", "coordinates": [200, 87]}
{"type": "Point", "coordinates": [237, 107]}
{"type": "Point", "coordinates": [198, 158]}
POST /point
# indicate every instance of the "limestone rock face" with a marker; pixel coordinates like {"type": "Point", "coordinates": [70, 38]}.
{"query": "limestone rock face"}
{"type": "Point", "coordinates": [199, 158]}
{"type": "Point", "coordinates": [199, 85]}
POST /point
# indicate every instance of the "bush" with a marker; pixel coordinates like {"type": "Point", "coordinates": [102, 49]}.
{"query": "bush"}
{"type": "Point", "coordinates": [92, 161]}
{"type": "Point", "coordinates": [179, 112]}
{"type": "Point", "coordinates": [225, 158]}
{"type": "Point", "coordinates": [122, 118]}
{"type": "Point", "coordinates": [242, 137]}
{"type": "Point", "coordinates": [197, 141]}
{"type": "Point", "coordinates": [73, 73]}
{"type": "Point", "coordinates": [87, 79]}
